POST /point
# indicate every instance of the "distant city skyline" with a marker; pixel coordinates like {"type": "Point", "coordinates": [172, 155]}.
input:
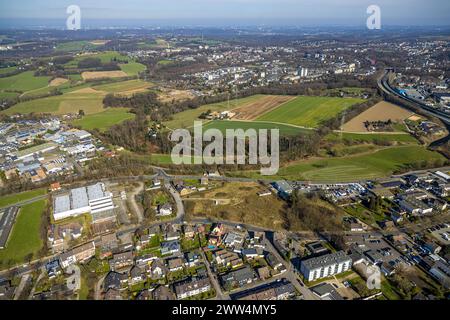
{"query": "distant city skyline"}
{"type": "Point", "coordinates": [103, 13]}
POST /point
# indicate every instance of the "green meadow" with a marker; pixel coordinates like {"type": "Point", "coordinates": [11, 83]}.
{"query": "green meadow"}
{"type": "Point", "coordinates": [186, 118]}
{"type": "Point", "coordinates": [72, 102]}
{"type": "Point", "coordinates": [104, 120]}
{"type": "Point", "coordinates": [285, 130]}
{"type": "Point", "coordinates": [132, 68]}
{"type": "Point", "coordinates": [24, 81]}
{"type": "Point", "coordinates": [25, 239]}
{"type": "Point", "coordinates": [378, 164]}
{"type": "Point", "coordinates": [309, 111]}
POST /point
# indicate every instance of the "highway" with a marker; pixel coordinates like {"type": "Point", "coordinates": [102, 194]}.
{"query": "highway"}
{"type": "Point", "coordinates": [384, 86]}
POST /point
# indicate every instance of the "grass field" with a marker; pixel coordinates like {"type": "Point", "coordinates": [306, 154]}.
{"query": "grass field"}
{"type": "Point", "coordinates": [371, 137]}
{"type": "Point", "coordinates": [89, 101]}
{"type": "Point", "coordinates": [222, 125]}
{"type": "Point", "coordinates": [124, 86]}
{"type": "Point", "coordinates": [352, 168]}
{"type": "Point", "coordinates": [132, 68]}
{"type": "Point", "coordinates": [25, 236]}
{"type": "Point", "coordinates": [309, 111]}
{"type": "Point", "coordinates": [186, 118]}
{"type": "Point", "coordinates": [18, 197]}
{"type": "Point", "coordinates": [24, 81]}
{"type": "Point", "coordinates": [104, 120]}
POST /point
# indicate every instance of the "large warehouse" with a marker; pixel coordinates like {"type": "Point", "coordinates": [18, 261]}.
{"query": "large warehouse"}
{"type": "Point", "coordinates": [91, 199]}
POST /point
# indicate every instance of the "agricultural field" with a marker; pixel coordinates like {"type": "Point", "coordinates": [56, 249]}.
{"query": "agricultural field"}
{"type": "Point", "coordinates": [25, 239]}
{"type": "Point", "coordinates": [73, 46]}
{"type": "Point", "coordinates": [104, 57]}
{"type": "Point", "coordinates": [237, 201]}
{"type": "Point", "coordinates": [57, 82]}
{"type": "Point", "coordinates": [285, 130]}
{"type": "Point", "coordinates": [103, 120]}
{"type": "Point", "coordinates": [19, 197]}
{"type": "Point", "coordinates": [186, 118]}
{"type": "Point", "coordinates": [94, 75]}
{"type": "Point", "coordinates": [376, 164]}
{"type": "Point", "coordinates": [252, 110]}
{"type": "Point", "coordinates": [24, 81]}
{"type": "Point", "coordinates": [382, 111]}
{"type": "Point", "coordinates": [88, 100]}
{"type": "Point", "coordinates": [309, 111]}
{"type": "Point", "coordinates": [124, 87]}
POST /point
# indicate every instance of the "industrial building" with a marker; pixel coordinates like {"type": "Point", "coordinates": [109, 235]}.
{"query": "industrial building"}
{"type": "Point", "coordinates": [93, 199]}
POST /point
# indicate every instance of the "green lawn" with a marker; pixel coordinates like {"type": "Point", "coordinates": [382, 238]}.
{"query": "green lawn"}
{"type": "Point", "coordinates": [25, 236]}
{"type": "Point", "coordinates": [374, 165]}
{"type": "Point", "coordinates": [371, 137]}
{"type": "Point", "coordinates": [24, 81]}
{"type": "Point", "coordinates": [104, 120]}
{"type": "Point", "coordinates": [19, 197]}
{"type": "Point", "coordinates": [309, 111]}
{"type": "Point", "coordinates": [285, 130]}
{"type": "Point", "coordinates": [186, 118]}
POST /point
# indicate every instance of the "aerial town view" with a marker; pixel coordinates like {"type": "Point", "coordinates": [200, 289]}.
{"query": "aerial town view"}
{"type": "Point", "coordinates": [150, 154]}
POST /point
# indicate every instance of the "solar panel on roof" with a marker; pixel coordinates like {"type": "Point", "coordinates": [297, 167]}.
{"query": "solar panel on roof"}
{"type": "Point", "coordinates": [79, 198]}
{"type": "Point", "coordinates": [95, 192]}
{"type": "Point", "coordinates": [62, 203]}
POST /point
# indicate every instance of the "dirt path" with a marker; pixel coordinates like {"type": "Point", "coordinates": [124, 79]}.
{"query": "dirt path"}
{"type": "Point", "coordinates": [136, 208]}
{"type": "Point", "coordinates": [98, 288]}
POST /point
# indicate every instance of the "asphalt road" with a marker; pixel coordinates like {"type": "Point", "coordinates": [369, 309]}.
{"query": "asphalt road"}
{"type": "Point", "coordinates": [290, 273]}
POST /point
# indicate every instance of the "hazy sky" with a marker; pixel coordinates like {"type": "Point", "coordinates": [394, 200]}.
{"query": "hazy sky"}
{"type": "Point", "coordinates": [299, 12]}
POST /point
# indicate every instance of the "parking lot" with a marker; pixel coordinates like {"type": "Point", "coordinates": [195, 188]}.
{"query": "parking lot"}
{"type": "Point", "coordinates": [441, 233]}
{"type": "Point", "coordinates": [7, 219]}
